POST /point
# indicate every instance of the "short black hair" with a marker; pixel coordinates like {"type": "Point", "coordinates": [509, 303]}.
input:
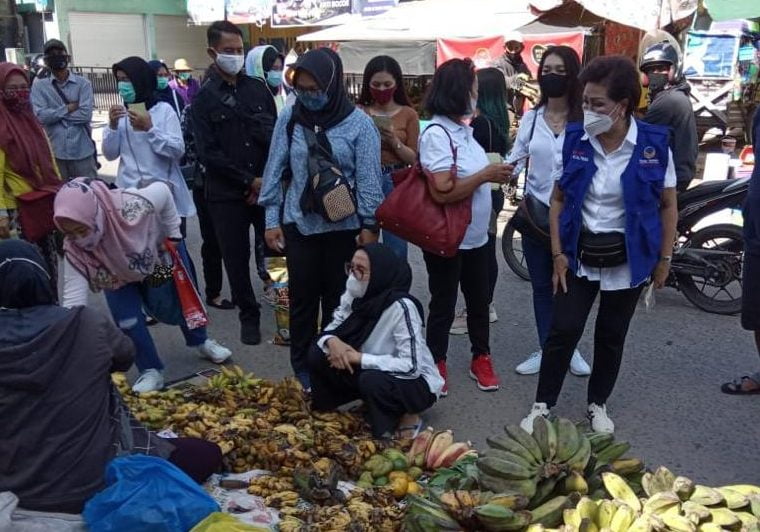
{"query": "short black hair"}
{"type": "Point", "coordinates": [619, 75]}
{"type": "Point", "coordinates": [214, 32]}
{"type": "Point", "coordinates": [449, 93]}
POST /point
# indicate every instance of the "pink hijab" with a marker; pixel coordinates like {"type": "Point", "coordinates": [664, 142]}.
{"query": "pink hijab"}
{"type": "Point", "coordinates": [125, 233]}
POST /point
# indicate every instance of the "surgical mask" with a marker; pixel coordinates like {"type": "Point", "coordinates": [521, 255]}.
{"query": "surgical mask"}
{"type": "Point", "coordinates": [127, 91]}
{"type": "Point", "coordinates": [597, 123]}
{"type": "Point", "coordinates": [355, 287]}
{"type": "Point", "coordinates": [274, 78]}
{"type": "Point", "coordinates": [657, 82]}
{"type": "Point", "coordinates": [382, 96]}
{"type": "Point", "coordinates": [184, 76]}
{"type": "Point", "coordinates": [230, 64]}
{"type": "Point", "coordinates": [57, 62]}
{"type": "Point", "coordinates": [17, 100]}
{"type": "Point", "coordinates": [553, 85]}
{"type": "Point", "coordinates": [163, 83]}
{"type": "Point", "coordinates": [313, 100]}
{"type": "Point", "coordinates": [88, 242]}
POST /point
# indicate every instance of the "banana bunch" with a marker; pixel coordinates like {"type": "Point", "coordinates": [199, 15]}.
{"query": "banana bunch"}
{"type": "Point", "coordinates": [433, 450]}
{"type": "Point", "coordinates": [282, 499]}
{"type": "Point", "coordinates": [533, 465]}
{"type": "Point", "coordinates": [267, 485]}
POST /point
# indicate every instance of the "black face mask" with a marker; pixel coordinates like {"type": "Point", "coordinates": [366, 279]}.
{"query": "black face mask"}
{"type": "Point", "coordinates": [57, 62]}
{"type": "Point", "coordinates": [657, 83]}
{"type": "Point", "coordinates": [553, 85]}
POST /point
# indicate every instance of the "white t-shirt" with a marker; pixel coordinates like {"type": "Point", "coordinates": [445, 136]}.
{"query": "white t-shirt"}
{"type": "Point", "coordinates": [436, 156]}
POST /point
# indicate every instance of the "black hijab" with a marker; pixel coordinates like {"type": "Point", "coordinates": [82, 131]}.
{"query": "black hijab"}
{"type": "Point", "coordinates": [390, 280]}
{"type": "Point", "coordinates": [166, 95]}
{"type": "Point", "coordinates": [326, 68]}
{"type": "Point", "coordinates": [143, 79]}
{"type": "Point", "coordinates": [24, 279]}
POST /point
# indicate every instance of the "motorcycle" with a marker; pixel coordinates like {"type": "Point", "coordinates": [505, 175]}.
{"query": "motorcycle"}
{"type": "Point", "coordinates": [707, 262]}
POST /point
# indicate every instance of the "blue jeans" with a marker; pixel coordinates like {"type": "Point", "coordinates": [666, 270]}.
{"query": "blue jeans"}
{"type": "Point", "coordinates": [398, 245]}
{"type": "Point", "coordinates": [541, 268]}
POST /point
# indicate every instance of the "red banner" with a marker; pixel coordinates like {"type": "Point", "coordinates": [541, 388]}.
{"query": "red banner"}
{"type": "Point", "coordinates": [535, 45]}
{"type": "Point", "coordinates": [483, 52]}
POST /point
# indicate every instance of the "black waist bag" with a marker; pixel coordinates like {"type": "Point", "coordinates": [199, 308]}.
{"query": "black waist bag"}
{"type": "Point", "coordinates": [602, 250]}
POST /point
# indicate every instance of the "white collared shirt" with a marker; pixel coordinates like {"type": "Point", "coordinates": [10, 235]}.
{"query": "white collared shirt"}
{"type": "Point", "coordinates": [545, 150]}
{"type": "Point", "coordinates": [604, 206]}
{"type": "Point", "coordinates": [435, 155]}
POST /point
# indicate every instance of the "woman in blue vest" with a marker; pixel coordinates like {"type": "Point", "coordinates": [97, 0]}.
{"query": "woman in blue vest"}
{"type": "Point", "coordinates": [613, 221]}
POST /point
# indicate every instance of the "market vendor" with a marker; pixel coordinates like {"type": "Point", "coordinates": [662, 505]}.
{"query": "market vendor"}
{"type": "Point", "coordinates": [62, 418]}
{"type": "Point", "coordinates": [374, 348]}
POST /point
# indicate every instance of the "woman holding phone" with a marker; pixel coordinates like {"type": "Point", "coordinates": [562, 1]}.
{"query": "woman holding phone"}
{"type": "Point", "coordinates": [384, 98]}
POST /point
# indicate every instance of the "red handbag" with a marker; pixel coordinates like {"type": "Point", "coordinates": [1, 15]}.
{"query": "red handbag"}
{"type": "Point", "coordinates": [411, 213]}
{"type": "Point", "coordinates": [190, 301]}
{"type": "Point", "coordinates": [35, 212]}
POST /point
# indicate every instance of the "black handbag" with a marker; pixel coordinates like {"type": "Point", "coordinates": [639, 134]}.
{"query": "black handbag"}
{"type": "Point", "coordinates": [602, 250]}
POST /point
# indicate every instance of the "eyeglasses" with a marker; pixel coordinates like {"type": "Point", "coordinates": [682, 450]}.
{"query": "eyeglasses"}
{"type": "Point", "coordinates": [358, 271]}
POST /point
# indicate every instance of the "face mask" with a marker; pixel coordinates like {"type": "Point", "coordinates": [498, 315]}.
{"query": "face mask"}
{"type": "Point", "coordinates": [88, 242]}
{"type": "Point", "coordinates": [57, 62]}
{"type": "Point", "coordinates": [184, 76]}
{"type": "Point", "coordinates": [274, 78]}
{"type": "Point", "coordinates": [553, 85]}
{"type": "Point", "coordinates": [163, 83]}
{"type": "Point", "coordinates": [597, 123]}
{"type": "Point", "coordinates": [127, 91]}
{"type": "Point", "coordinates": [230, 64]}
{"type": "Point", "coordinates": [382, 96]}
{"type": "Point", "coordinates": [313, 100]}
{"type": "Point", "coordinates": [657, 83]}
{"type": "Point", "coordinates": [355, 287]}
{"type": "Point", "coordinates": [17, 100]}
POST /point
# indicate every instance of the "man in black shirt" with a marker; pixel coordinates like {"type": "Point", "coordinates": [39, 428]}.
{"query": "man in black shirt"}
{"type": "Point", "coordinates": [515, 71]}
{"type": "Point", "coordinates": [233, 118]}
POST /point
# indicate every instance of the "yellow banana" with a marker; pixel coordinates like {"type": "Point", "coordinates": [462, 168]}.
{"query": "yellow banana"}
{"type": "Point", "coordinates": [734, 499]}
{"type": "Point", "coordinates": [678, 523]}
{"type": "Point", "coordinates": [619, 489]}
{"type": "Point", "coordinates": [623, 518]}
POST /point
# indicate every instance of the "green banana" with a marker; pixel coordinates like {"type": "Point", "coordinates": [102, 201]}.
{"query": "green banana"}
{"type": "Point", "coordinates": [495, 484]}
{"type": "Point", "coordinates": [512, 501]}
{"type": "Point", "coordinates": [612, 453]}
{"type": "Point", "coordinates": [600, 440]}
{"type": "Point", "coordinates": [575, 482]}
{"type": "Point", "coordinates": [626, 466]}
{"type": "Point", "coordinates": [619, 489]}
{"type": "Point", "coordinates": [504, 469]}
{"type": "Point", "coordinates": [510, 457]}
{"type": "Point", "coordinates": [544, 490]}
{"type": "Point", "coordinates": [549, 514]}
{"type": "Point", "coordinates": [526, 440]}
{"type": "Point", "coordinates": [519, 521]}
{"type": "Point", "coordinates": [509, 444]}
{"type": "Point", "coordinates": [546, 436]}
{"type": "Point", "coordinates": [568, 439]}
{"type": "Point", "coordinates": [581, 458]}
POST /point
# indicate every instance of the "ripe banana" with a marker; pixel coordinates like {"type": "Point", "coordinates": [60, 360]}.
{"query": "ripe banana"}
{"type": "Point", "coordinates": [568, 439]}
{"type": "Point", "coordinates": [511, 501]}
{"type": "Point", "coordinates": [626, 466]}
{"type": "Point", "coordinates": [546, 435]}
{"type": "Point", "coordinates": [734, 499]}
{"type": "Point", "coordinates": [576, 482]}
{"type": "Point", "coordinates": [678, 523]}
{"type": "Point", "coordinates": [706, 496]}
{"type": "Point", "coordinates": [623, 518]}
{"type": "Point", "coordinates": [745, 489]}
{"type": "Point", "coordinates": [587, 509]}
{"type": "Point", "coordinates": [724, 517]}
{"type": "Point", "coordinates": [619, 489]}
{"type": "Point", "coordinates": [441, 441]}
{"type": "Point", "coordinates": [526, 440]}
{"type": "Point", "coordinates": [604, 514]}
{"type": "Point", "coordinates": [695, 512]}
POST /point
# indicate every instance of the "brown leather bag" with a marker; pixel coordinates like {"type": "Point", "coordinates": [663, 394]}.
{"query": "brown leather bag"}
{"type": "Point", "coordinates": [411, 212]}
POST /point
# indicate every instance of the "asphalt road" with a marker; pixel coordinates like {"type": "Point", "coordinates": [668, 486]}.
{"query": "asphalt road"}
{"type": "Point", "coordinates": [667, 402]}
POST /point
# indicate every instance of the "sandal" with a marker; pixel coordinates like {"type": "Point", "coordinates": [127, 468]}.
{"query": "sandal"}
{"type": "Point", "coordinates": [737, 386]}
{"type": "Point", "coordinates": [416, 428]}
{"type": "Point", "coordinates": [225, 304]}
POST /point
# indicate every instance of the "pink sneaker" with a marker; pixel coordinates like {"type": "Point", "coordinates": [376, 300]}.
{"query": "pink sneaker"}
{"type": "Point", "coordinates": [482, 371]}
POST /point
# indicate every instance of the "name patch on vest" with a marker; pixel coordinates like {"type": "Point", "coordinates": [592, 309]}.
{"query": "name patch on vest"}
{"type": "Point", "coordinates": [649, 157]}
{"type": "Point", "coordinates": [580, 155]}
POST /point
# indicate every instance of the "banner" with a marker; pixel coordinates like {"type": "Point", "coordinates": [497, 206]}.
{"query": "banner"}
{"type": "Point", "coordinates": [205, 11]}
{"type": "Point", "coordinates": [370, 8]}
{"type": "Point", "coordinates": [287, 13]}
{"type": "Point", "coordinates": [536, 45]}
{"type": "Point", "coordinates": [249, 11]}
{"type": "Point", "coordinates": [483, 52]}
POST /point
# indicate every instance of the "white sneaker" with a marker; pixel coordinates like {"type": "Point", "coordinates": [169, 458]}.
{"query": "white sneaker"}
{"type": "Point", "coordinates": [531, 365]}
{"type": "Point", "coordinates": [600, 421]}
{"type": "Point", "coordinates": [214, 351]}
{"type": "Point", "coordinates": [492, 316]}
{"type": "Point", "coordinates": [539, 409]}
{"type": "Point", "coordinates": [149, 380]}
{"type": "Point", "coordinates": [460, 323]}
{"type": "Point", "coordinates": [578, 366]}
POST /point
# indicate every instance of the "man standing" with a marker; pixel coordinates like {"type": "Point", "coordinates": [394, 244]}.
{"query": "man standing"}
{"type": "Point", "coordinates": [233, 118]}
{"type": "Point", "coordinates": [63, 103]}
{"type": "Point", "coordinates": [515, 70]}
{"type": "Point", "coordinates": [670, 106]}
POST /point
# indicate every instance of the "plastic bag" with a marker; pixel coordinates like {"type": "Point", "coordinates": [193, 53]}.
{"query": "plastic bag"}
{"type": "Point", "coordinates": [279, 298]}
{"type": "Point", "coordinates": [148, 494]}
{"type": "Point", "coordinates": [219, 522]}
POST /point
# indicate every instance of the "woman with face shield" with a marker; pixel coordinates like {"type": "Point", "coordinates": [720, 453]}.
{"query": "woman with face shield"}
{"type": "Point", "coordinates": [613, 219]}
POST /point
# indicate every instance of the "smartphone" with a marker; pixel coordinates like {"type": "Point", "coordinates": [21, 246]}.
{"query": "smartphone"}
{"type": "Point", "coordinates": [138, 108]}
{"type": "Point", "coordinates": [382, 122]}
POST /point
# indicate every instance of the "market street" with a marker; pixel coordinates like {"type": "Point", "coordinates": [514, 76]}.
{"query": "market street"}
{"type": "Point", "coordinates": [667, 402]}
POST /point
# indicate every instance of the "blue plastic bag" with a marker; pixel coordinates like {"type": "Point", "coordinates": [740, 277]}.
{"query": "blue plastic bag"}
{"type": "Point", "coordinates": [147, 494]}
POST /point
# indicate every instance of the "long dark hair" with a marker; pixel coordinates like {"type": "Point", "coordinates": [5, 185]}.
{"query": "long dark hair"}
{"type": "Point", "coordinates": [383, 63]}
{"type": "Point", "coordinates": [449, 93]}
{"type": "Point", "coordinates": [574, 87]}
{"type": "Point", "coordinates": [492, 100]}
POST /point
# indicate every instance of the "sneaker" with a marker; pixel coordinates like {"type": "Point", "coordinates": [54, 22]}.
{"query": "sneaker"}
{"type": "Point", "coordinates": [441, 364]}
{"type": "Point", "coordinates": [600, 421]}
{"type": "Point", "coordinates": [539, 409]}
{"type": "Point", "coordinates": [578, 366]}
{"type": "Point", "coordinates": [492, 316]}
{"type": "Point", "coordinates": [531, 365]}
{"type": "Point", "coordinates": [481, 369]}
{"type": "Point", "coordinates": [149, 380]}
{"type": "Point", "coordinates": [214, 351]}
{"type": "Point", "coordinates": [250, 333]}
{"type": "Point", "coordinates": [460, 323]}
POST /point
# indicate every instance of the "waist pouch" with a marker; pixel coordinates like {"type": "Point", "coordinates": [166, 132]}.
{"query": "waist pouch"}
{"type": "Point", "coordinates": [602, 250]}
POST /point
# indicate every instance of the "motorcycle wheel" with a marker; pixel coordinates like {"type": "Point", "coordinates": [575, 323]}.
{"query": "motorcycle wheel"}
{"type": "Point", "coordinates": [721, 294]}
{"type": "Point", "coordinates": [511, 248]}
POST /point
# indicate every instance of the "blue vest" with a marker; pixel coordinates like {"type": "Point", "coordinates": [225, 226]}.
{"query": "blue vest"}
{"type": "Point", "coordinates": [643, 181]}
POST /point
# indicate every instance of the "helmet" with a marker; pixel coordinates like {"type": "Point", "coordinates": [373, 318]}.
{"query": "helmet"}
{"type": "Point", "coordinates": [661, 52]}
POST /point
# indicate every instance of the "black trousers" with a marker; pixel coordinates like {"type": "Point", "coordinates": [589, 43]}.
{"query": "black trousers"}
{"type": "Point", "coordinates": [211, 254]}
{"type": "Point", "coordinates": [386, 397]}
{"type": "Point", "coordinates": [232, 221]}
{"type": "Point", "coordinates": [569, 317]}
{"type": "Point", "coordinates": [316, 280]}
{"type": "Point", "coordinates": [470, 269]}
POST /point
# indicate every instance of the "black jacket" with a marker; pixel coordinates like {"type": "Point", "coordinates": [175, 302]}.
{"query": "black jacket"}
{"type": "Point", "coordinates": [232, 127]}
{"type": "Point", "coordinates": [672, 108]}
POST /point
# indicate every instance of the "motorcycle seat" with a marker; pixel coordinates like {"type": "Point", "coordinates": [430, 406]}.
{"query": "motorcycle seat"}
{"type": "Point", "coordinates": [701, 192]}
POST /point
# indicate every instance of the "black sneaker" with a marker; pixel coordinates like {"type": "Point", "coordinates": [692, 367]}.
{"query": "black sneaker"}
{"type": "Point", "coordinates": [250, 333]}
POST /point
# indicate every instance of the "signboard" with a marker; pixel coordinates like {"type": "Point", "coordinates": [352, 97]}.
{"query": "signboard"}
{"type": "Point", "coordinates": [710, 55]}
{"type": "Point", "coordinates": [369, 8]}
{"type": "Point", "coordinates": [483, 52]}
{"type": "Point", "coordinates": [288, 13]}
{"type": "Point", "coordinates": [536, 45]}
{"type": "Point", "coordinates": [249, 11]}
{"type": "Point", "coordinates": [205, 11]}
